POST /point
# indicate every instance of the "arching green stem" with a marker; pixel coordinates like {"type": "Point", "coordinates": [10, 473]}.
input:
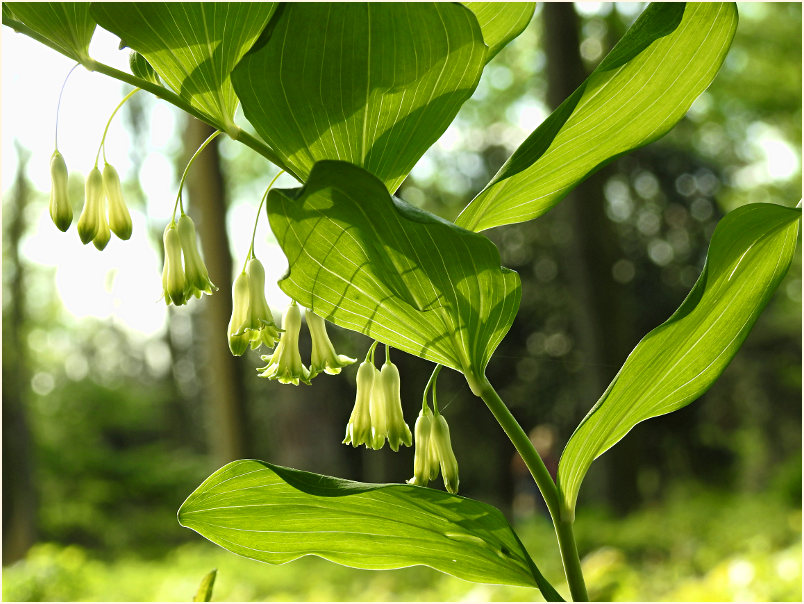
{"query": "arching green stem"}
{"type": "Point", "coordinates": [58, 105]}
{"type": "Point", "coordinates": [250, 253]}
{"type": "Point", "coordinates": [210, 138]}
{"type": "Point", "coordinates": [108, 123]}
{"type": "Point", "coordinates": [548, 489]}
{"type": "Point", "coordinates": [163, 93]}
{"type": "Point", "coordinates": [370, 353]}
{"type": "Point", "coordinates": [431, 384]}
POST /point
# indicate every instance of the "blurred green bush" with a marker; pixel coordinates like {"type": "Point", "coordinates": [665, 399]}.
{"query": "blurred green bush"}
{"type": "Point", "coordinates": [699, 546]}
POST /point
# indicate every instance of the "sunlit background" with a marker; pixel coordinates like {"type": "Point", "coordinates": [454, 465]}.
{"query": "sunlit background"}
{"type": "Point", "coordinates": [703, 504]}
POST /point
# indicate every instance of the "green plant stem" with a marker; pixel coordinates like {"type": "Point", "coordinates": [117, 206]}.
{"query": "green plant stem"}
{"type": "Point", "coordinates": [58, 105]}
{"type": "Point", "coordinates": [520, 440]}
{"type": "Point", "coordinates": [430, 383]}
{"type": "Point", "coordinates": [109, 123]}
{"type": "Point", "coordinates": [198, 151]}
{"type": "Point", "coordinates": [250, 253]}
{"type": "Point", "coordinates": [163, 93]}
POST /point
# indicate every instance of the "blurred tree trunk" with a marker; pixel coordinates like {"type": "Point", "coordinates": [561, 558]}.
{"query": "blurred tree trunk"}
{"type": "Point", "coordinates": [221, 374]}
{"type": "Point", "coordinates": [19, 494]}
{"type": "Point", "coordinates": [601, 326]}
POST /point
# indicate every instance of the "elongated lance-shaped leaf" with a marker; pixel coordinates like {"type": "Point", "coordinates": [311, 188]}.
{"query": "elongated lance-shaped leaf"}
{"type": "Point", "coordinates": [68, 25]}
{"type": "Point", "coordinates": [674, 364]}
{"type": "Point", "coordinates": [204, 592]}
{"type": "Point", "coordinates": [501, 22]}
{"type": "Point", "coordinates": [637, 94]}
{"type": "Point", "coordinates": [379, 266]}
{"type": "Point", "coordinates": [193, 46]}
{"type": "Point", "coordinates": [275, 515]}
{"type": "Point", "coordinates": [374, 84]}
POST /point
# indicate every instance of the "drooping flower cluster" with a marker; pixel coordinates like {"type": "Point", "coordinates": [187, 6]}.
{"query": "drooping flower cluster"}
{"type": "Point", "coordinates": [377, 414]}
{"type": "Point", "coordinates": [104, 209]}
{"type": "Point", "coordinates": [98, 219]}
{"type": "Point", "coordinates": [182, 282]}
{"type": "Point", "coordinates": [433, 448]}
{"type": "Point", "coordinates": [285, 364]}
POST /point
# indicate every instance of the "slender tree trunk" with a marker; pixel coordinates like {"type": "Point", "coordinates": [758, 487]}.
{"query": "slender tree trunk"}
{"type": "Point", "coordinates": [19, 493]}
{"type": "Point", "coordinates": [601, 325]}
{"type": "Point", "coordinates": [221, 374]}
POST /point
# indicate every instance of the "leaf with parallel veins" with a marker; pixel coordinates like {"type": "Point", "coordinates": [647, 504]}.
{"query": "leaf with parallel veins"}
{"type": "Point", "coordinates": [374, 84]}
{"type": "Point", "coordinates": [637, 94]}
{"type": "Point", "coordinates": [193, 46]}
{"type": "Point", "coordinates": [377, 265]}
{"type": "Point", "coordinates": [275, 515]}
{"type": "Point", "coordinates": [674, 364]}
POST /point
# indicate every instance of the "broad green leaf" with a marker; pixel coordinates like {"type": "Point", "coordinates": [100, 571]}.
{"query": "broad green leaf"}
{"type": "Point", "coordinates": [275, 515]}
{"type": "Point", "coordinates": [636, 95]}
{"type": "Point", "coordinates": [501, 22]}
{"type": "Point", "coordinates": [674, 364]}
{"type": "Point", "coordinates": [377, 265]}
{"type": "Point", "coordinates": [67, 24]}
{"type": "Point", "coordinates": [193, 46]}
{"type": "Point", "coordinates": [373, 84]}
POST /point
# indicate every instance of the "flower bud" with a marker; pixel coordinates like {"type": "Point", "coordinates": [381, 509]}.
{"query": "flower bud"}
{"type": "Point", "coordinates": [425, 468]}
{"type": "Point", "coordinates": [60, 209]}
{"type": "Point", "coordinates": [173, 273]}
{"type": "Point", "coordinates": [238, 339]}
{"type": "Point", "coordinates": [141, 68]}
{"type": "Point", "coordinates": [442, 447]}
{"type": "Point", "coordinates": [378, 413]}
{"type": "Point", "coordinates": [285, 363]}
{"type": "Point", "coordinates": [89, 221]}
{"type": "Point", "coordinates": [323, 357]}
{"type": "Point", "coordinates": [358, 430]}
{"type": "Point", "coordinates": [396, 430]}
{"type": "Point", "coordinates": [104, 234]}
{"type": "Point", "coordinates": [119, 217]}
{"type": "Point", "coordinates": [196, 279]}
{"type": "Point", "coordinates": [260, 322]}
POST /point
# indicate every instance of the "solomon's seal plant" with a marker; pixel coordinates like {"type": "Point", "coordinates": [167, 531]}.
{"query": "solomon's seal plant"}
{"type": "Point", "coordinates": [348, 114]}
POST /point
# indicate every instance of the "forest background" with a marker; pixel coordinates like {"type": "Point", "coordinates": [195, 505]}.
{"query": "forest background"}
{"type": "Point", "coordinates": [115, 408]}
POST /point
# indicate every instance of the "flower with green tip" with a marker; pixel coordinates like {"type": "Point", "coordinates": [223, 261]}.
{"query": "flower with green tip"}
{"type": "Point", "coordinates": [425, 464]}
{"type": "Point", "coordinates": [323, 357]}
{"type": "Point", "coordinates": [104, 234]}
{"type": "Point", "coordinates": [238, 339]}
{"type": "Point", "coordinates": [285, 364]}
{"type": "Point", "coordinates": [441, 449]}
{"type": "Point", "coordinates": [259, 323]}
{"type": "Point", "coordinates": [89, 221]}
{"type": "Point", "coordinates": [60, 209]}
{"type": "Point", "coordinates": [196, 276]}
{"type": "Point", "coordinates": [119, 216]}
{"type": "Point", "coordinates": [358, 429]}
{"type": "Point", "coordinates": [173, 274]}
{"type": "Point", "coordinates": [378, 413]}
{"type": "Point", "coordinates": [392, 424]}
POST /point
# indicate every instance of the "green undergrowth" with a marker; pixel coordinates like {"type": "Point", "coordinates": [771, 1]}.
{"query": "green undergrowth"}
{"type": "Point", "coordinates": [696, 546]}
